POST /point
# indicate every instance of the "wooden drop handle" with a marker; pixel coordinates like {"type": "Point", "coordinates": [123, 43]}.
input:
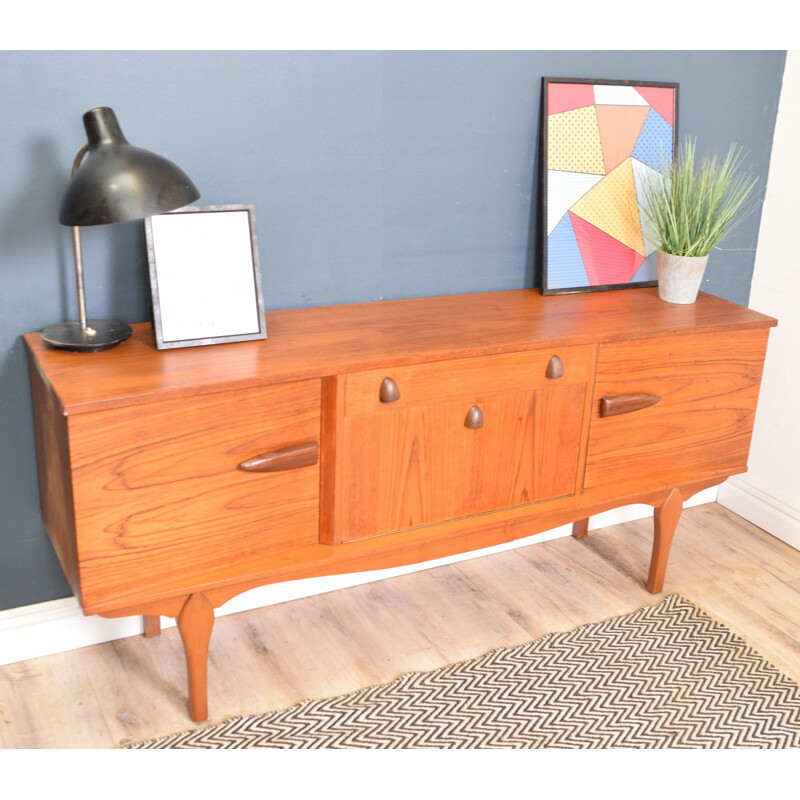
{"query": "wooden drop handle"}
{"type": "Point", "coordinates": [389, 391]}
{"type": "Point", "coordinates": [474, 418]}
{"type": "Point", "coordinates": [555, 368]}
{"type": "Point", "coordinates": [625, 403]}
{"type": "Point", "coordinates": [294, 456]}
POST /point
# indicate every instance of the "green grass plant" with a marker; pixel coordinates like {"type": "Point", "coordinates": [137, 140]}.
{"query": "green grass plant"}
{"type": "Point", "coordinates": [696, 202]}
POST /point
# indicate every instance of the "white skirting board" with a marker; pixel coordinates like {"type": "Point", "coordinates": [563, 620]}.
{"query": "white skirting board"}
{"type": "Point", "coordinates": [59, 625]}
{"type": "Point", "coordinates": [763, 506]}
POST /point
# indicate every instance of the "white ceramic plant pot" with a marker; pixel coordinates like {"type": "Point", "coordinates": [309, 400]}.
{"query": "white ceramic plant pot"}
{"type": "Point", "coordinates": [679, 277]}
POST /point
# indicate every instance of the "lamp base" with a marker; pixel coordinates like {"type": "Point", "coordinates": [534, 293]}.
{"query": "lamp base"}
{"type": "Point", "coordinates": [99, 334]}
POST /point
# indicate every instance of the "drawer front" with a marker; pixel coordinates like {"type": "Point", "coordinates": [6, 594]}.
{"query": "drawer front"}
{"type": "Point", "coordinates": [443, 381]}
{"type": "Point", "coordinates": [161, 494]}
{"type": "Point", "coordinates": [483, 446]}
{"type": "Point", "coordinates": [675, 408]}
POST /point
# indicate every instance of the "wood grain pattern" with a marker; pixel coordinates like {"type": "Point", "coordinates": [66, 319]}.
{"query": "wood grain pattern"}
{"type": "Point", "coordinates": [314, 342]}
{"type": "Point", "coordinates": [709, 389]}
{"type": "Point", "coordinates": [421, 464]}
{"type": "Point", "coordinates": [425, 384]}
{"type": "Point", "coordinates": [139, 449]}
{"type": "Point", "coordinates": [416, 545]}
{"type": "Point", "coordinates": [159, 494]}
{"type": "Point", "coordinates": [331, 459]}
{"type": "Point", "coordinates": [53, 465]}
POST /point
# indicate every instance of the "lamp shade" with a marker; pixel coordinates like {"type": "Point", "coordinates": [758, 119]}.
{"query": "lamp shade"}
{"type": "Point", "coordinates": [117, 182]}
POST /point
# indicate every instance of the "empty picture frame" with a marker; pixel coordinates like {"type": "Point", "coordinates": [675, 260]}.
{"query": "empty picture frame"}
{"type": "Point", "coordinates": [600, 140]}
{"type": "Point", "coordinates": [205, 277]}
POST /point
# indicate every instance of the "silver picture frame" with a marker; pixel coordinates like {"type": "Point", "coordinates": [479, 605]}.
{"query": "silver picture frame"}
{"type": "Point", "coordinates": [205, 276]}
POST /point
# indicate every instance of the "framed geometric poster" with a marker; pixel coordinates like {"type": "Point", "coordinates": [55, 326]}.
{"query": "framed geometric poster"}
{"type": "Point", "coordinates": [601, 140]}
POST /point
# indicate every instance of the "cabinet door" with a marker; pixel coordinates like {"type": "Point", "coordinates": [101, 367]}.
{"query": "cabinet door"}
{"type": "Point", "coordinates": [160, 494]}
{"type": "Point", "coordinates": [466, 437]}
{"type": "Point", "coordinates": [702, 391]}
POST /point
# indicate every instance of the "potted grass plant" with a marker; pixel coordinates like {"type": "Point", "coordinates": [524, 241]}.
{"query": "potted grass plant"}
{"type": "Point", "coordinates": [686, 212]}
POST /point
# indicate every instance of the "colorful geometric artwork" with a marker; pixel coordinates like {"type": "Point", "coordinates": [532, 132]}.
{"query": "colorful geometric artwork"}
{"type": "Point", "coordinates": [603, 140]}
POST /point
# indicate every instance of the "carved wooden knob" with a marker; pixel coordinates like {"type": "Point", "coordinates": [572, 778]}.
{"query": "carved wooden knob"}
{"type": "Point", "coordinates": [390, 391]}
{"type": "Point", "coordinates": [555, 368]}
{"type": "Point", "coordinates": [474, 418]}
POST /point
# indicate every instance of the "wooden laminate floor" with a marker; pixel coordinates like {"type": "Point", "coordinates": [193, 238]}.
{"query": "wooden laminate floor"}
{"type": "Point", "coordinates": [135, 688]}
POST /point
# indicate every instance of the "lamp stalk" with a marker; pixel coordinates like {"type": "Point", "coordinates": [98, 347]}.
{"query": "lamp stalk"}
{"type": "Point", "coordinates": [76, 242]}
{"type": "Point", "coordinates": [78, 249]}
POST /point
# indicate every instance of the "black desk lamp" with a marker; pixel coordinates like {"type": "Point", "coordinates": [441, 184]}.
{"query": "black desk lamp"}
{"type": "Point", "coordinates": [117, 182]}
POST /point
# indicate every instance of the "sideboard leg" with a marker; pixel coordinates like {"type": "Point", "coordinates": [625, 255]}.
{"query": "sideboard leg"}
{"type": "Point", "coordinates": [580, 528]}
{"type": "Point", "coordinates": [665, 521]}
{"type": "Point", "coordinates": [152, 625]}
{"type": "Point", "coordinates": [195, 623]}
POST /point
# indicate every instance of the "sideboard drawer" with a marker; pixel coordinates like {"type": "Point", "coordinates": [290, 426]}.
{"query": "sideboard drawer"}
{"type": "Point", "coordinates": [160, 493]}
{"type": "Point", "coordinates": [668, 409]}
{"type": "Point", "coordinates": [422, 384]}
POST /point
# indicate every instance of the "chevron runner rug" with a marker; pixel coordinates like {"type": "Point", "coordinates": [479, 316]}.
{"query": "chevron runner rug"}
{"type": "Point", "coordinates": [665, 676]}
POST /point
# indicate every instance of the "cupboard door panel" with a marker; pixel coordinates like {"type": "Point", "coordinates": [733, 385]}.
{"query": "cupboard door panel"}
{"type": "Point", "coordinates": [160, 492]}
{"type": "Point", "coordinates": [423, 464]}
{"type": "Point", "coordinates": [706, 388]}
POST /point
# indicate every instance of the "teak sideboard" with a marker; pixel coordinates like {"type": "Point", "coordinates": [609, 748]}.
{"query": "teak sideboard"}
{"type": "Point", "coordinates": [365, 436]}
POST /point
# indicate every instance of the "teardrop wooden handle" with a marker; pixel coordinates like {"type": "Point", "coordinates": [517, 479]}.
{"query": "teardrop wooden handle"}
{"type": "Point", "coordinates": [390, 391]}
{"type": "Point", "coordinates": [625, 403]}
{"type": "Point", "coordinates": [555, 368]}
{"type": "Point", "coordinates": [474, 418]}
{"type": "Point", "coordinates": [294, 456]}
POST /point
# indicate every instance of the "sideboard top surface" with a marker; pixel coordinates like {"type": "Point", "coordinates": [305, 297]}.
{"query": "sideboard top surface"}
{"type": "Point", "coordinates": [317, 341]}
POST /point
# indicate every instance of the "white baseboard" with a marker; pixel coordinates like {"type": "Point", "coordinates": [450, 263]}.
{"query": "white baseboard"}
{"type": "Point", "coordinates": [59, 625]}
{"type": "Point", "coordinates": [763, 506]}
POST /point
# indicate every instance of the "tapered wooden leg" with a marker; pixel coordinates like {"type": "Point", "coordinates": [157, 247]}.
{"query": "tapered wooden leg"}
{"type": "Point", "coordinates": [152, 625]}
{"type": "Point", "coordinates": [580, 528]}
{"type": "Point", "coordinates": [195, 623]}
{"type": "Point", "coordinates": [665, 521]}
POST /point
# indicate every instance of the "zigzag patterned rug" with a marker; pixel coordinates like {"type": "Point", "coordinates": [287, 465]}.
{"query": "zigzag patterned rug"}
{"type": "Point", "coordinates": [663, 676]}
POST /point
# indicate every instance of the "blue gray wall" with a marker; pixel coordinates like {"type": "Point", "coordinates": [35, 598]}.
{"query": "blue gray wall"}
{"type": "Point", "coordinates": [374, 175]}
